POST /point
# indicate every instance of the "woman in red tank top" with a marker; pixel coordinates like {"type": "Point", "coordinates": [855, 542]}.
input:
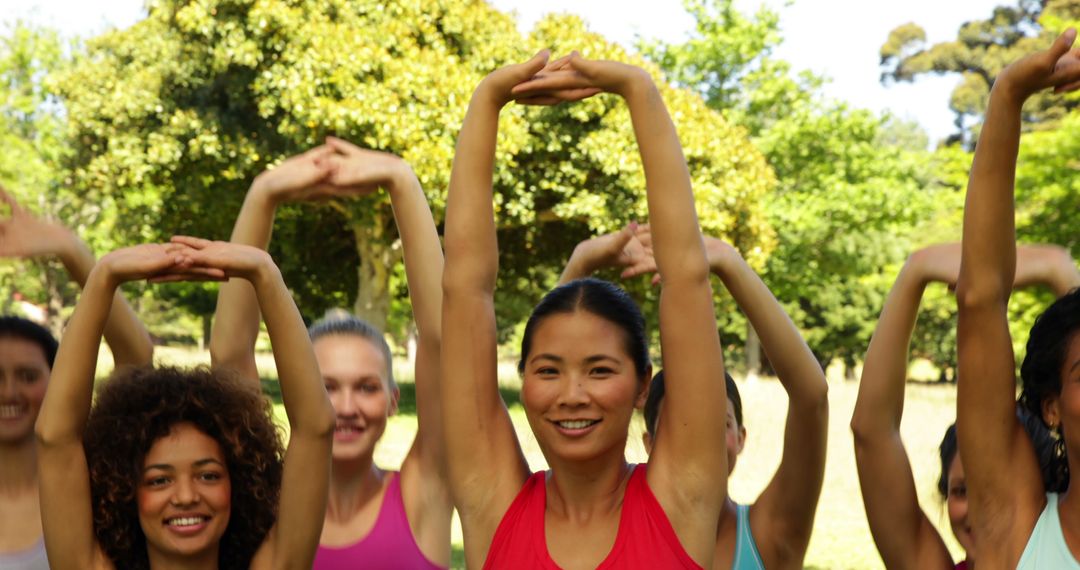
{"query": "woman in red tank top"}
{"type": "Point", "coordinates": [584, 364]}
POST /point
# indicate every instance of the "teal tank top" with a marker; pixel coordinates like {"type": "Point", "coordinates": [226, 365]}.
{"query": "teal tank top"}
{"type": "Point", "coordinates": [746, 552]}
{"type": "Point", "coordinates": [1046, 547]}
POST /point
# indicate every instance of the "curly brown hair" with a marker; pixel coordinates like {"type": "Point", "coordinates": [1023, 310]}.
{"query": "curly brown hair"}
{"type": "Point", "coordinates": [138, 406]}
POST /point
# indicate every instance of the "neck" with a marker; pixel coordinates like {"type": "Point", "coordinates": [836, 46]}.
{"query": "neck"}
{"type": "Point", "coordinates": [18, 465]}
{"type": "Point", "coordinates": [352, 484]}
{"type": "Point", "coordinates": [580, 489]}
{"type": "Point", "coordinates": [203, 560]}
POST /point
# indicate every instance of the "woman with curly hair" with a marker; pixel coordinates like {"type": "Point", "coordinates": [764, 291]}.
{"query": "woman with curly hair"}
{"type": "Point", "coordinates": [182, 469]}
{"type": "Point", "coordinates": [1016, 523]}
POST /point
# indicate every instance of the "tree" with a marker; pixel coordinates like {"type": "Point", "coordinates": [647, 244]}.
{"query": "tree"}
{"type": "Point", "coordinates": [30, 134]}
{"type": "Point", "coordinates": [852, 186]}
{"type": "Point", "coordinates": [173, 117]}
{"type": "Point", "coordinates": [980, 51]}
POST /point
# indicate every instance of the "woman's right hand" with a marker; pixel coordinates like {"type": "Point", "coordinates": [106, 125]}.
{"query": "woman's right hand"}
{"type": "Point", "coordinates": [155, 262]}
{"type": "Point", "coordinates": [300, 177]}
{"type": "Point", "coordinates": [580, 77]}
{"type": "Point", "coordinates": [1057, 67]}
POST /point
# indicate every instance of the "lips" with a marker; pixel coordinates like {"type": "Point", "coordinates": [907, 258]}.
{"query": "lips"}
{"type": "Point", "coordinates": [347, 432]}
{"type": "Point", "coordinates": [187, 524]}
{"type": "Point", "coordinates": [575, 427]}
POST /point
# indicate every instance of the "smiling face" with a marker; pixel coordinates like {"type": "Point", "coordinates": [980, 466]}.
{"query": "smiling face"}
{"type": "Point", "coordinates": [1063, 410]}
{"type": "Point", "coordinates": [184, 495]}
{"type": "Point", "coordinates": [24, 374]}
{"type": "Point", "coordinates": [355, 373]}
{"type": "Point", "coordinates": [580, 387]}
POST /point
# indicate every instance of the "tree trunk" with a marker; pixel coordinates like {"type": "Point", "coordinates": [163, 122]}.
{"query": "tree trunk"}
{"type": "Point", "coordinates": [377, 260]}
{"type": "Point", "coordinates": [753, 353]}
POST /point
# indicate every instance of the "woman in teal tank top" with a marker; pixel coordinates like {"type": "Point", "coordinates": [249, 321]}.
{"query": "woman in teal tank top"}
{"type": "Point", "coordinates": [774, 531]}
{"type": "Point", "coordinates": [1012, 518]}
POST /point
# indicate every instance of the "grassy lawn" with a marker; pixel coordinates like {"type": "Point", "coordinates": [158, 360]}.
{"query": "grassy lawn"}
{"type": "Point", "coordinates": [841, 535]}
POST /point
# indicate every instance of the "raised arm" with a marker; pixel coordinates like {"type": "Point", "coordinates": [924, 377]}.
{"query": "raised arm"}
{"type": "Point", "coordinates": [485, 464]}
{"type": "Point", "coordinates": [1004, 485]}
{"type": "Point", "coordinates": [904, 536]}
{"type": "Point", "coordinates": [64, 478]}
{"type": "Point", "coordinates": [784, 513]}
{"type": "Point", "coordinates": [23, 235]}
{"type": "Point", "coordinates": [687, 470]}
{"type": "Point", "coordinates": [1049, 265]}
{"type": "Point", "coordinates": [617, 249]}
{"type": "Point", "coordinates": [356, 170]}
{"type": "Point", "coordinates": [236, 318]}
{"type": "Point", "coordinates": [294, 538]}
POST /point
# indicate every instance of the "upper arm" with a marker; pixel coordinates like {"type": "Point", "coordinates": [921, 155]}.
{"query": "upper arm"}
{"type": "Point", "coordinates": [486, 465]}
{"type": "Point", "coordinates": [66, 509]}
{"type": "Point", "coordinates": [294, 538]}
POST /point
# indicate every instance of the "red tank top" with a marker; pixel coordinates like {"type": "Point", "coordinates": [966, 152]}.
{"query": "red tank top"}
{"type": "Point", "coordinates": [645, 539]}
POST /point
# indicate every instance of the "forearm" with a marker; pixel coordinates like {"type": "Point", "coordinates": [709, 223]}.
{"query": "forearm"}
{"type": "Point", "coordinates": [576, 268]}
{"type": "Point", "coordinates": [678, 247]}
{"type": "Point", "coordinates": [989, 237]}
{"type": "Point", "coordinates": [1048, 265]}
{"type": "Point", "coordinates": [302, 390]}
{"type": "Point", "coordinates": [127, 338]}
{"type": "Point", "coordinates": [471, 248]}
{"type": "Point", "coordinates": [67, 402]}
{"type": "Point", "coordinates": [880, 403]}
{"type": "Point", "coordinates": [236, 318]}
{"type": "Point", "coordinates": [422, 251]}
{"type": "Point", "coordinates": [797, 368]}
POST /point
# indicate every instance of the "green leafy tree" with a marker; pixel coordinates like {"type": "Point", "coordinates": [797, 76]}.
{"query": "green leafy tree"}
{"type": "Point", "coordinates": [982, 48]}
{"type": "Point", "coordinates": [171, 119]}
{"type": "Point", "coordinates": [31, 137]}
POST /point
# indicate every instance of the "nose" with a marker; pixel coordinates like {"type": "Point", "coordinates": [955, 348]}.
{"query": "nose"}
{"type": "Point", "coordinates": [572, 391]}
{"type": "Point", "coordinates": [344, 402]}
{"type": "Point", "coordinates": [7, 387]}
{"type": "Point", "coordinates": [184, 493]}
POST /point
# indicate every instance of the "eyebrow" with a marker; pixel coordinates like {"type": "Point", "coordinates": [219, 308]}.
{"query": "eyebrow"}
{"type": "Point", "coordinates": [168, 467]}
{"type": "Point", "coordinates": [588, 359]}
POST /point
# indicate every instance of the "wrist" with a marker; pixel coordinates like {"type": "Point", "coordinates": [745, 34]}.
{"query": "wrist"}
{"type": "Point", "coordinates": [637, 82]}
{"type": "Point", "coordinates": [402, 178]}
{"type": "Point", "coordinates": [1007, 93]}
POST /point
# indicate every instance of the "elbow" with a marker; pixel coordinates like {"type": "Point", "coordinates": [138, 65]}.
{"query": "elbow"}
{"type": "Point", "coordinates": [972, 296]}
{"type": "Point", "coordinates": [321, 426]}
{"type": "Point", "coordinates": [49, 435]}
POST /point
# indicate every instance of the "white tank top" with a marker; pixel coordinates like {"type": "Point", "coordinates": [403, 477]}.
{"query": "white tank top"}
{"type": "Point", "coordinates": [32, 558]}
{"type": "Point", "coordinates": [1046, 547]}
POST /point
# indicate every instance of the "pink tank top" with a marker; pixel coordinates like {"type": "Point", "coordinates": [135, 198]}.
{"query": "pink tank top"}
{"type": "Point", "coordinates": [389, 546]}
{"type": "Point", "coordinates": [645, 540]}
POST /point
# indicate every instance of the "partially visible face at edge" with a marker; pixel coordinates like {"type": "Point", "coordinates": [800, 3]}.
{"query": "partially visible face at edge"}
{"type": "Point", "coordinates": [580, 387]}
{"type": "Point", "coordinates": [184, 495]}
{"type": "Point", "coordinates": [354, 371]}
{"type": "Point", "coordinates": [957, 505]}
{"type": "Point", "coordinates": [24, 375]}
{"type": "Point", "coordinates": [734, 438]}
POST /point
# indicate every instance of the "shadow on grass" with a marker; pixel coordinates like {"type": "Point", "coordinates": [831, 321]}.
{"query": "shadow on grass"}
{"type": "Point", "coordinates": [407, 402]}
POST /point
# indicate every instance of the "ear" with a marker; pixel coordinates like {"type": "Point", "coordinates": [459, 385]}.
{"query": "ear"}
{"type": "Point", "coordinates": [1051, 411]}
{"type": "Point", "coordinates": [643, 389]}
{"type": "Point", "coordinates": [646, 439]}
{"type": "Point", "coordinates": [742, 440]}
{"type": "Point", "coordinates": [394, 397]}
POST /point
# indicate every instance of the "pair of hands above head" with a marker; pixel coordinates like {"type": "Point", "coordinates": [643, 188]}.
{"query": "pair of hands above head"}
{"type": "Point", "coordinates": [542, 81]}
{"type": "Point", "coordinates": [335, 169]}
{"type": "Point", "coordinates": [631, 249]}
{"type": "Point", "coordinates": [24, 235]}
{"type": "Point", "coordinates": [184, 259]}
{"type": "Point", "coordinates": [1057, 67]}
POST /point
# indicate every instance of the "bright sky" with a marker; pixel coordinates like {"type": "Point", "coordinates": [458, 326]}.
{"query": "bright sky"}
{"type": "Point", "coordinates": [836, 38]}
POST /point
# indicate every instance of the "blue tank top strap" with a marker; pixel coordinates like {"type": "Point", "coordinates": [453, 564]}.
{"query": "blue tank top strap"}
{"type": "Point", "coordinates": [746, 551]}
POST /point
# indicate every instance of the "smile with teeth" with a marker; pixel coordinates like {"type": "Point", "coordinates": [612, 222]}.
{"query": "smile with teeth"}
{"type": "Point", "coordinates": [347, 429]}
{"type": "Point", "coordinates": [576, 424]}
{"type": "Point", "coordinates": [9, 411]}
{"type": "Point", "coordinates": [186, 521]}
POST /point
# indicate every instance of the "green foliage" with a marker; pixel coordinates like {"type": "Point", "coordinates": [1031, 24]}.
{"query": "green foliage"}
{"type": "Point", "coordinates": [171, 118]}
{"type": "Point", "coordinates": [980, 51]}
